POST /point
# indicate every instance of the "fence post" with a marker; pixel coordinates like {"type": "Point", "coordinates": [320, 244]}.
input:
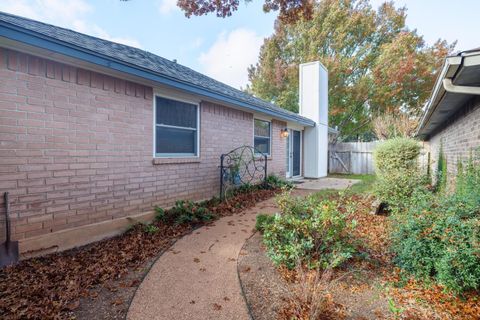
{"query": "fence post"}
{"type": "Point", "coordinates": [350, 162]}
{"type": "Point", "coordinates": [265, 178]}
{"type": "Point", "coordinates": [221, 177]}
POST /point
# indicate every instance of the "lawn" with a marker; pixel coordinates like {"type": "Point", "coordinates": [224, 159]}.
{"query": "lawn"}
{"type": "Point", "coordinates": [364, 186]}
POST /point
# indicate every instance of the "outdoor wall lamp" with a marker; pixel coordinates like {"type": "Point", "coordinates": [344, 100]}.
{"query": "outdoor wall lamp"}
{"type": "Point", "coordinates": [284, 133]}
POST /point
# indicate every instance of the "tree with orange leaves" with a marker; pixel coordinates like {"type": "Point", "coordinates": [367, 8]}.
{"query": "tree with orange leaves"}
{"type": "Point", "coordinates": [376, 64]}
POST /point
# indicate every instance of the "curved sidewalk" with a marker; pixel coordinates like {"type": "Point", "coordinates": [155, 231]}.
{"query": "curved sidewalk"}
{"type": "Point", "coordinates": [197, 278]}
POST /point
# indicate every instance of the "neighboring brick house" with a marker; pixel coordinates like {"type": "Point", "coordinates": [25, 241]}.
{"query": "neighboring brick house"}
{"type": "Point", "coordinates": [94, 134]}
{"type": "Point", "coordinates": [452, 116]}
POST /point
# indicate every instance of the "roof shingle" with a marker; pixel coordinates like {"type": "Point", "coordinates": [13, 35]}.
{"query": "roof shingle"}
{"type": "Point", "coordinates": [146, 61]}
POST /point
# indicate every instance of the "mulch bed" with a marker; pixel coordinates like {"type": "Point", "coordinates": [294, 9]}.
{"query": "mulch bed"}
{"type": "Point", "coordinates": [365, 288]}
{"type": "Point", "coordinates": [264, 289]}
{"type": "Point", "coordinates": [100, 279]}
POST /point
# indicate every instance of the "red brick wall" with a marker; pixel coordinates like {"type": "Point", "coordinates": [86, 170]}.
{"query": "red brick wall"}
{"type": "Point", "coordinates": [76, 147]}
{"type": "Point", "coordinates": [460, 138]}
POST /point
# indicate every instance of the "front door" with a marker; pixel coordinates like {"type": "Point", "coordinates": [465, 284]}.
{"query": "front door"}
{"type": "Point", "coordinates": [296, 149]}
{"type": "Point", "coordinates": [294, 143]}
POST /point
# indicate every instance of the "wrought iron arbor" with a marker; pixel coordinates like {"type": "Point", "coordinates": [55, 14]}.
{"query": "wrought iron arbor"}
{"type": "Point", "coordinates": [242, 165]}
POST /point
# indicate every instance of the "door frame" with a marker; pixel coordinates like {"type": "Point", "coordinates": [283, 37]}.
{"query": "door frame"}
{"type": "Point", "coordinates": [289, 169]}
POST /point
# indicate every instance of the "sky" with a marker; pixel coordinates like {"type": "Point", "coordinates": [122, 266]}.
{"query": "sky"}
{"type": "Point", "coordinates": [223, 48]}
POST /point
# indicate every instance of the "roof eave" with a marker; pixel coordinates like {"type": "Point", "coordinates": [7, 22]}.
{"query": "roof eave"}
{"type": "Point", "coordinates": [449, 69]}
{"type": "Point", "coordinates": [19, 34]}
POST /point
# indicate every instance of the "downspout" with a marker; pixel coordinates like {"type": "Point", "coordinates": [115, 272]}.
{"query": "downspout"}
{"type": "Point", "coordinates": [450, 87]}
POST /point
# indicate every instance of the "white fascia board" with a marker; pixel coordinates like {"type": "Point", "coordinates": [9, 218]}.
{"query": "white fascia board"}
{"type": "Point", "coordinates": [449, 69]}
{"type": "Point", "coordinates": [472, 59]}
{"type": "Point", "coordinates": [295, 126]}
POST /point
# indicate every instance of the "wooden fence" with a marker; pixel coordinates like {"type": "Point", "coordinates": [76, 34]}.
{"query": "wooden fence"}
{"type": "Point", "coordinates": [351, 157]}
{"type": "Point", "coordinates": [357, 158]}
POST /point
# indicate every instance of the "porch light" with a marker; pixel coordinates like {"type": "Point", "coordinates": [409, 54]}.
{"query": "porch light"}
{"type": "Point", "coordinates": [284, 133]}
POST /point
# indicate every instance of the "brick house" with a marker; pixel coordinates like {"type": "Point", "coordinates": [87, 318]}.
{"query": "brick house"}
{"type": "Point", "coordinates": [452, 115]}
{"type": "Point", "coordinates": [93, 133]}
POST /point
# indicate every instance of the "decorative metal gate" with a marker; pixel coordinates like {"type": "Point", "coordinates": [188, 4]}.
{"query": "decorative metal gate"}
{"type": "Point", "coordinates": [243, 165]}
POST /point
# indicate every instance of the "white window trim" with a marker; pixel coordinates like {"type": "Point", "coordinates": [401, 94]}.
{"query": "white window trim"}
{"type": "Point", "coordinates": [174, 155]}
{"type": "Point", "coordinates": [269, 154]}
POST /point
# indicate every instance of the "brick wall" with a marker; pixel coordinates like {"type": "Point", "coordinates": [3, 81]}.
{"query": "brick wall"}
{"type": "Point", "coordinates": [76, 147]}
{"type": "Point", "coordinates": [459, 136]}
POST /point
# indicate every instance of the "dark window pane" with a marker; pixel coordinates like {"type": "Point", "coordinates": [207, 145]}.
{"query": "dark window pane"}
{"type": "Point", "coordinates": [173, 140]}
{"type": "Point", "coordinates": [262, 128]}
{"type": "Point", "coordinates": [262, 145]}
{"type": "Point", "coordinates": [176, 113]}
{"type": "Point", "coordinates": [296, 152]}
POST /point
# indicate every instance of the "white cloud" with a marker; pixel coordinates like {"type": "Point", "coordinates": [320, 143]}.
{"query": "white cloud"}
{"type": "Point", "coordinates": [69, 14]}
{"type": "Point", "coordinates": [229, 57]}
{"type": "Point", "coordinates": [197, 43]}
{"type": "Point", "coordinates": [167, 6]}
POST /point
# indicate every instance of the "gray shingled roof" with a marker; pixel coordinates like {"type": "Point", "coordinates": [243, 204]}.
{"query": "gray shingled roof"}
{"type": "Point", "coordinates": [146, 61]}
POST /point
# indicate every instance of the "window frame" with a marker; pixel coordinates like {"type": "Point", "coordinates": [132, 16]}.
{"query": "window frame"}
{"type": "Point", "coordinates": [269, 138]}
{"type": "Point", "coordinates": [194, 155]}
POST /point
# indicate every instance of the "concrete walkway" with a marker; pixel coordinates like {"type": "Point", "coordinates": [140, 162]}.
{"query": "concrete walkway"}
{"type": "Point", "coordinates": [326, 183]}
{"type": "Point", "coordinates": [197, 278]}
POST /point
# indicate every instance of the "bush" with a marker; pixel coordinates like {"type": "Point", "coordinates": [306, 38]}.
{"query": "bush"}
{"type": "Point", "coordinates": [263, 220]}
{"type": "Point", "coordinates": [275, 182]}
{"type": "Point", "coordinates": [439, 238]}
{"type": "Point", "coordinates": [442, 173]}
{"type": "Point", "coordinates": [398, 175]}
{"type": "Point", "coordinates": [396, 154]}
{"type": "Point", "coordinates": [308, 231]}
{"type": "Point", "coordinates": [185, 212]}
{"type": "Point", "coordinates": [150, 228]}
{"type": "Point", "coordinates": [397, 189]}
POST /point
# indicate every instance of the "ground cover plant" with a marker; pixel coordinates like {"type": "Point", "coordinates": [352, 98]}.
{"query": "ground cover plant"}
{"type": "Point", "coordinates": [439, 237]}
{"type": "Point", "coordinates": [51, 287]}
{"type": "Point", "coordinates": [308, 231]}
{"type": "Point", "coordinates": [421, 263]}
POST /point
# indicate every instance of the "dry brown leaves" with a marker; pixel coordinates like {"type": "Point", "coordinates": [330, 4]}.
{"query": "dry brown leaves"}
{"type": "Point", "coordinates": [425, 302]}
{"type": "Point", "coordinates": [372, 230]}
{"type": "Point", "coordinates": [51, 286]}
{"type": "Point", "coordinates": [310, 297]}
{"type": "Point", "coordinates": [417, 300]}
{"type": "Point", "coordinates": [242, 201]}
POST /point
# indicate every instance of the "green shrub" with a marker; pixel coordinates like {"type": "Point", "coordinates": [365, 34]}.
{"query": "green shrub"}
{"type": "Point", "coordinates": [185, 212]}
{"type": "Point", "coordinates": [441, 174]}
{"type": "Point", "coordinates": [398, 175]}
{"type": "Point", "coordinates": [396, 154]}
{"type": "Point", "coordinates": [308, 231]}
{"type": "Point", "coordinates": [397, 189]}
{"type": "Point", "coordinates": [150, 228]}
{"type": "Point", "coordinates": [262, 221]}
{"type": "Point", "coordinates": [439, 238]}
{"type": "Point", "coordinates": [275, 182]}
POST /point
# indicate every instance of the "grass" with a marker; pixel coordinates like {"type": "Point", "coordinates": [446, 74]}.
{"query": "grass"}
{"type": "Point", "coordinates": [364, 186]}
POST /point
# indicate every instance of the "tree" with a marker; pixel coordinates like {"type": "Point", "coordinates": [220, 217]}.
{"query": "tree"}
{"type": "Point", "coordinates": [376, 64]}
{"type": "Point", "coordinates": [289, 10]}
{"type": "Point", "coordinates": [389, 126]}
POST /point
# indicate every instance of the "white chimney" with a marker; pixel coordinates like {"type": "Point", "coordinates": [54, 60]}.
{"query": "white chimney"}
{"type": "Point", "coordinates": [313, 96]}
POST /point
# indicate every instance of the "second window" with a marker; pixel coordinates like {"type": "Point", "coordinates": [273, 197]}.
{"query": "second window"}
{"type": "Point", "coordinates": [262, 136]}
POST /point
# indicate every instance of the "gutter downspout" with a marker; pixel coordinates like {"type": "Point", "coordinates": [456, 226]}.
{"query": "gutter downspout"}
{"type": "Point", "coordinates": [450, 87]}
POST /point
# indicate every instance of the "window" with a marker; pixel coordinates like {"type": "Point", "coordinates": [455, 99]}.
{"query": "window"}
{"type": "Point", "coordinates": [176, 128]}
{"type": "Point", "coordinates": [261, 136]}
